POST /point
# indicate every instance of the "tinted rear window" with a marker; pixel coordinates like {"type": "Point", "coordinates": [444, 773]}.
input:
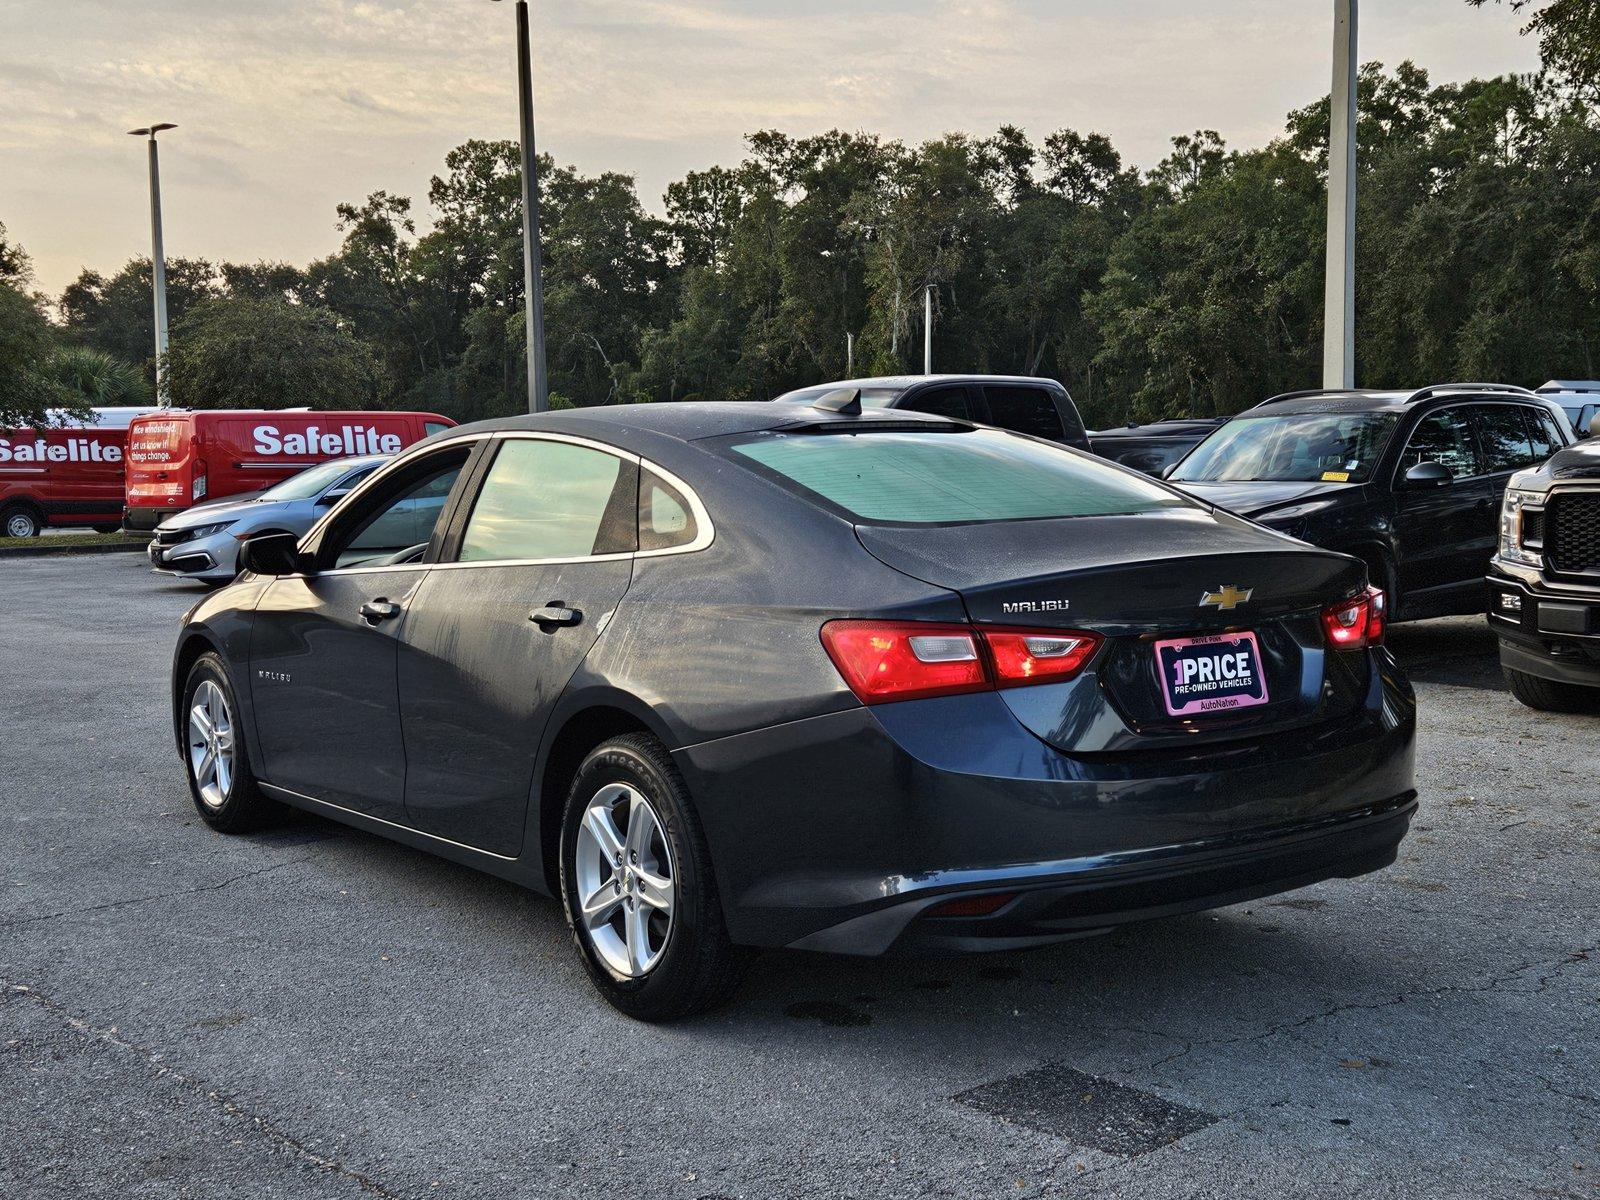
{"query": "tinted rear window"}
{"type": "Point", "coordinates": [940, 478]}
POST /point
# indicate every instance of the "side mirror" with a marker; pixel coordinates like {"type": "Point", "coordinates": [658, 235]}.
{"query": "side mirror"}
{"type": "Point", "coordinates": [271, 554]}
{"type": "Point", "coordinates": [1166, 471]}
{"type": "Point", "coordinates": [329, 499]}
{"type": "Point", "coordinates": [1428, 475]}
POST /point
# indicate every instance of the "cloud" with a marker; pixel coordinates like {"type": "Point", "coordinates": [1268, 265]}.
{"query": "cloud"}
{"type": "Point", "coordinates": [286, 107]}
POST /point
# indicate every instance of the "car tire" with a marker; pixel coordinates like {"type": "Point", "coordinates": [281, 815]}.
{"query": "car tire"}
{"type": "Point", "coordinates": [20, 521]}
{"type": "Point", "coordinates": [107, 528]}
{"type": "Point", "coordinates": [1549, 695]}
{"type": "Point", "coordinates": [650, 962]}
{"type": "Point", "coordinates": [217, 764]}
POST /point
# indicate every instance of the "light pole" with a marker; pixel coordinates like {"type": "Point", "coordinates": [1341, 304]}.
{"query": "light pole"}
{"type": "Point", "coordinates": [532, 276]}
{"type": "Point", "coordinates": [1339, 281]}
{"type": "Point", "coordinates": [927, 330]}
{"type": "Point", "coordinates": [158, 262]}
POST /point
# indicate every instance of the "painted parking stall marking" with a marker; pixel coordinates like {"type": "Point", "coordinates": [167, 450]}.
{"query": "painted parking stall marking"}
{"type": "Point", "coordinates": [1213, 673]}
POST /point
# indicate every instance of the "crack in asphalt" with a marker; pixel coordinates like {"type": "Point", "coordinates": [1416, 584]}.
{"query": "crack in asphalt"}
{"type": "Point", "coordinates": [132, 900]}
{"type": "Point", "coordinates": [156, 1069]}
{"type": "Point", "coordinates": [1494, 984]}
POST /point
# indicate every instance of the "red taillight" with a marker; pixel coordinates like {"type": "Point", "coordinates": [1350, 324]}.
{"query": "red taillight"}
{"type": "Point", "coordinates": [1024, 656]}
{"type": "Point", "coordinates": [972, 906]}
{"type": "Point", "coordinates": [1356, 623]}
{"type": "Point", "coordinates": [909, 660]}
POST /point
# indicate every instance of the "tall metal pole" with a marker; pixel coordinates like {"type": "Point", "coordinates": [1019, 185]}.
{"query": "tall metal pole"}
{"type": "Point", "coordinates": [158, 262]}
{"type": "Point", "coordinates": [1339, 294]}
{"type": "Point", "coordinates": [849, 353]}
{"type": "Point", "coordinates": [927, 330]}
{"type": "Point", "coordinates": [533, 282]}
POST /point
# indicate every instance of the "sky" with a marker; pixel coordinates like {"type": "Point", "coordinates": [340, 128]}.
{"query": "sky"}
{"type": "Point", "coordinates": [285, 108]}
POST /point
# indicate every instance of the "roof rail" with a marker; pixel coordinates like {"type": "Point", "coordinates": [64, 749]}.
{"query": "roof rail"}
{"type": "Point", "coordinates": [1585, 387]}
{"type": "Point", "coordinates": [1435, 389]}
{"type": "Point", "coordinates": [1298, 395]}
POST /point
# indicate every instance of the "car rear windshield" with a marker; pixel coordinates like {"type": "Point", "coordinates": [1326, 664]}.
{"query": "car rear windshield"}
{"type": "Point", "coordinates": [933, 478]}
{"type": "Point", "coordinates": [1297, 447]}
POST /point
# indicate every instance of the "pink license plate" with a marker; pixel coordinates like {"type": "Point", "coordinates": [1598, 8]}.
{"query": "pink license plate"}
{"type": "Point", "coordinates": [1216, 673]}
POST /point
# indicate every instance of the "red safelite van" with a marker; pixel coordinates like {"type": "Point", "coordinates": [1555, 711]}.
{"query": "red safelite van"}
{"type": "Point", "coordinates": [178, 458]}
{"type": "Point", "coordinates": [68, 474]}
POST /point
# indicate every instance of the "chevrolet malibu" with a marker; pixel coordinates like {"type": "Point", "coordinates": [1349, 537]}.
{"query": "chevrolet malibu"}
{"type": "Point", "coordinates": [727, 676]}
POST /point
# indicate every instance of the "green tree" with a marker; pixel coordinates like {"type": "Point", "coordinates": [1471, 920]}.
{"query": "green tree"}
{"type": "Point", "coordinates": [95, 379]}
{"type": "Point", "coordinates": [117, 315]}
{"type": "Point", "coordinates": [28, 394]}
{"type": "Point", "coordinates": [238, 353]}
{"type": "Point", "coordinates": [1569, 39]}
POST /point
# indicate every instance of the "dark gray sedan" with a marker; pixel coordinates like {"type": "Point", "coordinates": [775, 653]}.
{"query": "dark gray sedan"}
{"type": "Point", "coordinates": [736, 675]}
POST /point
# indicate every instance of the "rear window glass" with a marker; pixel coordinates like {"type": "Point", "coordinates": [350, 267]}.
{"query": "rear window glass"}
{"type": "Point", "coordinates": [938, 478]}
{"type": "Point", "coordinates": [1025, 410]}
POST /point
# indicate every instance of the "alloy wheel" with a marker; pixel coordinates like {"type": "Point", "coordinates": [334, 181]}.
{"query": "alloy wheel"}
{"type": "Point", "coordinates": [211, 743]}
{"type": "Point", "coordinates": [626, 887]}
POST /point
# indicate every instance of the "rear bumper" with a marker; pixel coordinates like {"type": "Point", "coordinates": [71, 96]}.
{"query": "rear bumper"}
{"type": "Point", "coordinates": [144, 520]}
{"type": "Point", "coordinates": [838, 832]}
{"type": "Point", "coordinates": [1549, 635]}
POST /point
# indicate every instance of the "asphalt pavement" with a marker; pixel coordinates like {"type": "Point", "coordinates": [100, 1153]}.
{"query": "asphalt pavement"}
{"type": "Point", "coordinates": [316, 1012]}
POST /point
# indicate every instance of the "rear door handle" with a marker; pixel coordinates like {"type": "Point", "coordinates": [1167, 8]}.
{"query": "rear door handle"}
{"type": "Point", "coordinates": [374, 611]}
{"type": "Point", "coordinates": [553, 615]}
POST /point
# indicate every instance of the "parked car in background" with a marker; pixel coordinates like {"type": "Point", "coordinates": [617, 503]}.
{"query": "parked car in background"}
{"type": "Point", "coordinates": [845, 680]}
{"type": "Point", "coordinates": [1544, 583]}
{"type": "Point", "coordinates": [1407, 481]}
{"type": "Point", "coordinates": [1153, 447]}
{"type": "Point", "coordinates": [70, 473]}
{"type": "Point", "coordinates": [1020, 403]}
{"type": "Point", "coordinates": [1579, 400]}
{"type": "Point", "coordinates": [178, 458]}
{"type": "Point", "coordinates": [202, 543]}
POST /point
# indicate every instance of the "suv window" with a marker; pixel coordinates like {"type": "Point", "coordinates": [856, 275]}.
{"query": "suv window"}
{"type": "Point", "coordinates": [941, 402]}
{"type": "Point", "coordinates": [546, 499]}
{"type": "Point", "coordinates": [429, 428]}
{"type": "Point", "coordinates": [936, 478]}
{"type": "Point", "coordinates": [1543, 433]}
{"type": "Point", "coordinates": [1024, 410]}
{"type": "Point", "coordinates": [1444, 438]}
{"type": "Point", "coordinates": [1503, 437]}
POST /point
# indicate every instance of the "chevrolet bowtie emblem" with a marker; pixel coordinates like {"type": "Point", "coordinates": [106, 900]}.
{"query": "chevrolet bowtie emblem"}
{"type": "Point", "coordinates": [1226, 598]}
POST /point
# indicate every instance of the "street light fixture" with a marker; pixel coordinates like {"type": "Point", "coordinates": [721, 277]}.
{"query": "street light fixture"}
{"type": "Point", "coordinates": [533, 282]}
{"type": "Point", "coordinates": [1339, 281]}
{"type": "Point", "coordinates": [158, 262]}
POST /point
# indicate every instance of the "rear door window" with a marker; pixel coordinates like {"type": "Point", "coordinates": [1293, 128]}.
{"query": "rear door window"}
{"type": "Point", "coordinates": [1445, 438]}
{"type": "Point", "coordinates": [1024, 410]}
{"type": "Point", "coordinates": [1503, 436]}
{"type": "Point", "coordinates": [954, 477]}
{"type": "Point", "coordinates": [942, 402]}
{"type": "Point", "coordinates": [551, 500]}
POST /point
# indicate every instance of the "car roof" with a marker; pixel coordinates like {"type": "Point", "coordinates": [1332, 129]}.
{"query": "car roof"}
{"type": "Point", "coordinates": [1375, 400]}
{"type": "Point", "coordinates": [632, 426]}
{"type": "Point", "coordinates": [901, 383]}
{"type": "Point", "coordinates": [1570, 387]}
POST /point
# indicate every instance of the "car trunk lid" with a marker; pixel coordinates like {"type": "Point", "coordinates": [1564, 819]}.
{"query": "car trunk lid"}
{"type": "Point", "coordinates": [1139, 580]}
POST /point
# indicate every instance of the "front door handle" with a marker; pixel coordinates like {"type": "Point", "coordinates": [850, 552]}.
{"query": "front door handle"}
{"type": "Point", "coordinates": [374, 611]}
{"type": "Point", "coordinates": [553, 615]}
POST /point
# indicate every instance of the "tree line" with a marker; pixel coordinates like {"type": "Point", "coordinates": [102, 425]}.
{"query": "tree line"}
{"type": "Point", "coordinates": [1193, 287]}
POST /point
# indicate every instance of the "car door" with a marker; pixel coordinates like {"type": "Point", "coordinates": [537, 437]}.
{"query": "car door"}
{"type": "Point", "coordinates": [540, 558]}
{"type": "Point", "coordinates": [1439, 530]}
{"type": "Point", "coordinates": [323, 673]}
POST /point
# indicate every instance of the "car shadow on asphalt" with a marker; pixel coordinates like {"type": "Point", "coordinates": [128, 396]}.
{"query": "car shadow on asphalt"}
{"type": "Point", "coordinates": [1452, 651]}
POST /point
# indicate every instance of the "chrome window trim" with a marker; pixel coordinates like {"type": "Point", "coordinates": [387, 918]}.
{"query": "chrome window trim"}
{"type": "Point", "coordinates": [705, 532]}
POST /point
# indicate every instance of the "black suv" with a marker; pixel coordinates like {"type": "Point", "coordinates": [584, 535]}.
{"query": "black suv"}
{"type": "Point", "coordinates": [1544, 583]}
{"type": "Point", "coordinates": [1409, 482]}
{"type": "Point", "coordinates": [1020, 403]}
